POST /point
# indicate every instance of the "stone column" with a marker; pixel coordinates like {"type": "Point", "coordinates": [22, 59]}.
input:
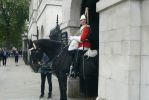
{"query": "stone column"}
{"type": "Point", "coordinates": [119, 49]}
{"type": "Point", "coordinates": [71, 24]}
{"type": "Point", "coordinates": [144, 50]}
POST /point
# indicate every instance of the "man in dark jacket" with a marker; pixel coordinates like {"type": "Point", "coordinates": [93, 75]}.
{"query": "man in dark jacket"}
{"type": "Point", "coordinates": [1, 56]}
{"type": "Point", "coordinates": [45, 72]}
{"type": "Point", "coordinates": [4, 55]}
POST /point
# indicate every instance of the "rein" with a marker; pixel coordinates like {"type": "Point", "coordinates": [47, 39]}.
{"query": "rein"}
{"type": "Point", "coordinates": [62, 48]}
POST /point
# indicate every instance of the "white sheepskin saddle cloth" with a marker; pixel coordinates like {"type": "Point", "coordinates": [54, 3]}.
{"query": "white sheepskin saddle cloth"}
{"type": "Point", "coordinates": [91, 53]}
{"type": "Point", "coordinates": [73, 45]}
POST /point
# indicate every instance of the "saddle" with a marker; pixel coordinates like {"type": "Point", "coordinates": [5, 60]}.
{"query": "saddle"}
{"type": "Point", "coordinates": [77, 56]}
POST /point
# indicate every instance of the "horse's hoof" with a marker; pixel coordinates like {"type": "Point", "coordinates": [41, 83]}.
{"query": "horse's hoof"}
{"type": "Point", "coordinates": [49, 96]}
{"type": "Point", "coordinates": [41, 96]}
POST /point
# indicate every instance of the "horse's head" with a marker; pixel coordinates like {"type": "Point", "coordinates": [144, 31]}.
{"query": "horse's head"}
{"type": "Point", "coordinates": [53, 49]}
{"type": "Point", "coordinates": [35, 55]}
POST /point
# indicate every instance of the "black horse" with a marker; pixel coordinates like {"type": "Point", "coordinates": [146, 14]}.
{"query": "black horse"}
{"type": "Point", "coordinates": [61, 61]}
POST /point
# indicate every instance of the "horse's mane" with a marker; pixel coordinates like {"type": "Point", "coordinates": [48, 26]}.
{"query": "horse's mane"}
{"type": "Point", "coordinates": [49, 44]}
{"type": "Point", "coordinates": [51, 47]}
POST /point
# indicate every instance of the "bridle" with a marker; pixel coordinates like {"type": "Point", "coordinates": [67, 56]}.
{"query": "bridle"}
{"type": "Point", "coordinates": [34, 47]}
{"type": "Point", "coordinates": [34, 50]}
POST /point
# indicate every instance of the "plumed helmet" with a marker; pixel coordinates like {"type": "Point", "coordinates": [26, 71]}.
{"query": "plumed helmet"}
{"type": "Point", "coordinates": [82, 17]}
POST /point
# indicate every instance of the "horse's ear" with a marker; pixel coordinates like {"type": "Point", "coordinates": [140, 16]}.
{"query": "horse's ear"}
{"type": "Point", "coordinates": [34, 45]}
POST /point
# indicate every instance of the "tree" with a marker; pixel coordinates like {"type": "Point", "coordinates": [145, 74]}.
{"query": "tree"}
{"type": "Point", "coordinates": [13, 15]}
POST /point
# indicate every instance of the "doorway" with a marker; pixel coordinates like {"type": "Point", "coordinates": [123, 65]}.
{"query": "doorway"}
{"type": "Point", "coordinates": [93, 21]}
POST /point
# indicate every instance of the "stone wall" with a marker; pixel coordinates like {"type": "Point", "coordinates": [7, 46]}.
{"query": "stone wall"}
{"type": "Point", "coordinates": [71, 16]}
{"type": "Point", "coordinates": [43, 14]}
{"type": "Point", "coordinates": [144, 50]}
{"type": "Point", "coordinates": [32, 18]}
{"type": "Point", "coordinates": [47, 16]}
{"type": "Point", "coordinates": [48, 19]}
{"type": "Point", "coordinates": [119, 49]}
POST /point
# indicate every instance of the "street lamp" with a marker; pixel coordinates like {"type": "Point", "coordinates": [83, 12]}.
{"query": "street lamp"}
{"type": "Point", "coordinates": [24, 36]}
{"type": "Point", "coordinates": [37, 35]}
{"type": "Point", "coordinates": [24, 41]}
{"type": "Point", "coordinates": [24, 47]}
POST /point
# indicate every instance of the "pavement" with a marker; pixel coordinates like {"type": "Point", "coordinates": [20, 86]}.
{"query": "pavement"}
{"type": "Point", "coordinates": [21, 83]}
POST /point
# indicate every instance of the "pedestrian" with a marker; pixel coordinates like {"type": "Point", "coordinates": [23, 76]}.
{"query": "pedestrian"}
{"type": "Point", "coordinates": [16, 55]}
{"type": "Point", "coordinates": [45, 72]}
{"type": "Point", "coordinates": [1, 56]}
{"type": "Point", "coordinates": [4, 56]}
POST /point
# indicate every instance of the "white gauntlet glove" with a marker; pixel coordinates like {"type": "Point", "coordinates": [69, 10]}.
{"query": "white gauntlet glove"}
{"type": "Point", "coordinates": [77, 38]}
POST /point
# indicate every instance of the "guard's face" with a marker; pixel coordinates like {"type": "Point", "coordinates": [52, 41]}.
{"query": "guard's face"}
{"type": "Point", "coordinates": [82, 22]}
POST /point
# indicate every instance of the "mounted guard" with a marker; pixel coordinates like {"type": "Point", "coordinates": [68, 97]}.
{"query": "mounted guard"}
{"type": "Point", "coordinates": [80, 45]}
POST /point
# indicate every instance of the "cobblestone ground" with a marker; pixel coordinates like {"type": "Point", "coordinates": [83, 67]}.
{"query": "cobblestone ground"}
{"type": "Point", "coordinates": [20, 83]}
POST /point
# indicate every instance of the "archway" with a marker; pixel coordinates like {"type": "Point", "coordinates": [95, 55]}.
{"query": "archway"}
{"type": "Point", "coordinates": [93, 21]}
{"type": "Point", "coordinates": [75, 14]}
{"type": "Point", "coordinates": [77, 8]}
{"type": "Point", "coordinates": [71, 16]}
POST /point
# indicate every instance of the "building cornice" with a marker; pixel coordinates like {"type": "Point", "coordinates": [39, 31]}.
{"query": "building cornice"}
{"type": "Point", "coordinates": [71, 24]}
{"type": "Point", "coordinates": [43, 9]}
{"type": "Point", "coordinates": [34, 11]}
{"type": "Point", "coordinates": [30, 25]}
{"type": "Point", "coordinates": [104, 4]}
{"type": "Point", "coordinates": [50, 2]}
{"type": "Point", "coordinates": [39, 4]}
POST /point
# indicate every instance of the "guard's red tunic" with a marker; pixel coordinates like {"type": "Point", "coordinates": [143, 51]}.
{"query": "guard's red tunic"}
{"type": "Point", "coordinates": [85, 31]}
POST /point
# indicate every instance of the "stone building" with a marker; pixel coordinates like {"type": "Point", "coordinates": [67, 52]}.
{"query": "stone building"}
{"type": "Point", "coordinates": [42, 17]}
{"type": "Point", "coordinates": [121, 28]}
{"type": "Point", "coordinates": [123, 49]}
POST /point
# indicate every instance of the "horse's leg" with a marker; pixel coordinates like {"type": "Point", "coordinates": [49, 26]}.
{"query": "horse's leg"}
{"type": "Point", "coordinates": [62, 78]}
